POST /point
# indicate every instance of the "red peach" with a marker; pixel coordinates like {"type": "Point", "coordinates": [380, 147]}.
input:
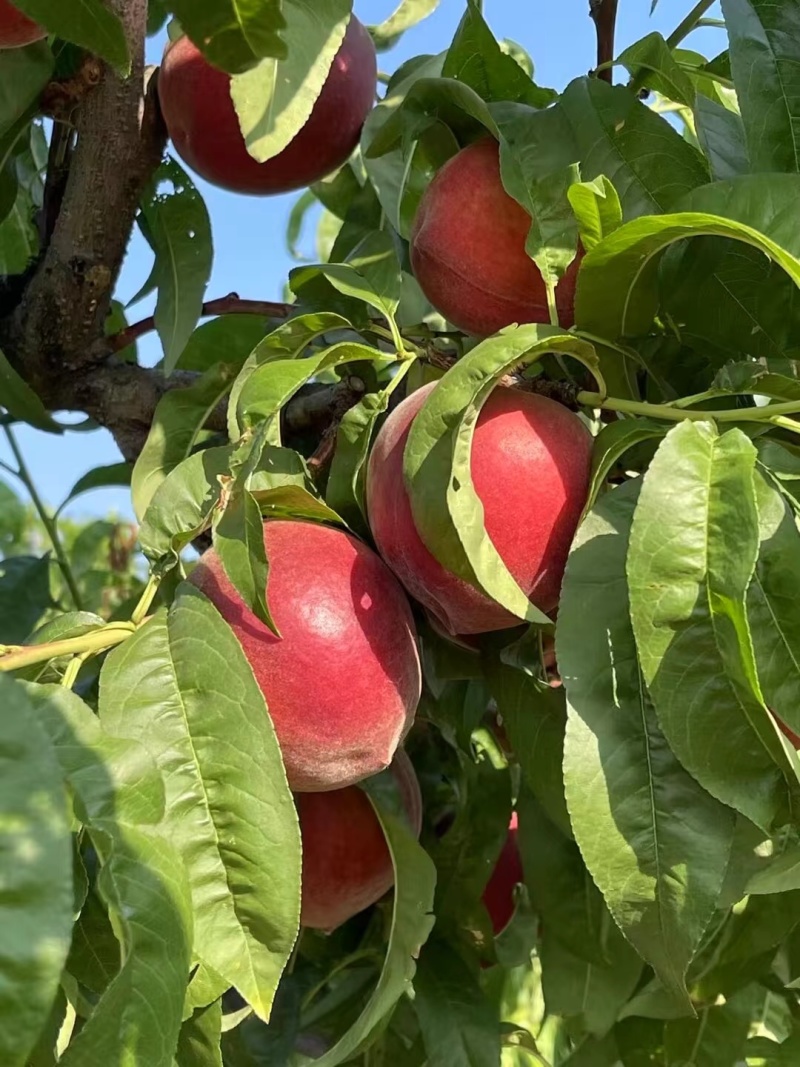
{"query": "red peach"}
{"type": "Point", "coordinates": [346, 862]}
{"type": "Point", "coordinates": [468, 249]}
{"type": "Point", "coordinates": [342, 682]}
{"type": "Point", "coordinates": [530, 467]}
{"type": "Point", "coordinates": [204, 127]}
{"type": "Point", "coordinates": [498, 896]}
{"type": "Point", "coordinates": [16, 29]}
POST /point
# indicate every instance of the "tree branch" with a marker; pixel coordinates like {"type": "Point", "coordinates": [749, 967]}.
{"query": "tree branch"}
{"type": "Point", "coordinates": [225, 305]}
{"type": "Point", "coordinates": [604, 13]}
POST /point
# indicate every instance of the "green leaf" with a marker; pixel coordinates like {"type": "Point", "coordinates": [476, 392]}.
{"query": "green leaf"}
{"type": "Point", "coordinates": [233, 34]}
{"type": "Point", "coordinates": [651, 59]}
{"type": "Point", "coordinates": [24, 596]}
{"type": "Point", "coordinates": [645, 158]}
{"type": "Point", "coordinates": [24, 72]}
{"type": "Point", "coordinates": [692, 554]}
{"type": "Point", "coordinates": [623, 783]}
{"type": "Point", "coordinates": [180, 233]}
{"type": "Point", "coordinates": [20, 400]}
{"type": "Point", "coordinates": [113, 474]}
{"type": "Point", "coordinates": [13, 519]}
{"type": "Point", "coordinates": [412, 921]}
{"type": "Point", "coordinates": [617, 293]}
{"type": "Point", "coordinates": [88, 23]}
{"type": "Point", "coordinates": [239, 543]}
{"type": "Point", "coordinates": [764, 52]}
{"type": "Point", "coordinates": [597, 208]}
{"type": "Point", "coordinates": [178, 420]}
{"type": "Point", "coordinates": [199, 1042]}
{"type": "Point", "coordinates": [773, 603]}
{"type": "Point", "coordinates": [288, 341]}
{"type": "Point", "coordinates": [346, 480]}
{"type": "Point", "coordinates": [371, 274]}
{"type": "Point", "coordinates": [182, 686]}
{"type": "Point", "coordinates": [36, 874]}
{"type": "Point", "coordinates": [94, 956]}
{"type": "Point", "coordinates": [271, 385]}
{"type": "Point", "coordinates": [407, 14]}
{"type": "Point", "coordinates": [234, 335]}
{"type": "Point", "coordinates": [476, 59]}
{"type": "Point", "coordinates": [275, 98]}
{"type": "Point", "coordinates": [537, 165]}
{"type": "Point", "coordinates": [718, 1035]}
{"type": "Point", "coordinates": [459, 1025]}
{"type": "Point", "coordinates": [447, 511]}
{"type": "Point", "coordinates": [562, 891]}
{"type": "Point", "coordinates": [183, 504]}
{"type": "Point", "coordinates": [294, 227]}
{"type": "Point", "coordinates": [611, 444]}
{"type": "Point", "coordinates": [780, 875]}
{"type": "Point", "coordinates": [590, 993]}
{"type": "Point", "coordinates": [720, 132]}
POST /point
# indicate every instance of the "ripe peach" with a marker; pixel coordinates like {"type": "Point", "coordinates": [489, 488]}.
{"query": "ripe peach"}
{"type": "Point", "coordinates": [346, 862]}
{"type": "Point", "coordinates": [468, 249]}
{"type": "Point", "coordinates": [498, 896]}
{"type": "Point", "coordinates": [530, 468]}
{"type": "Point", "coordinates": [16, 29]}
{"type": "Point", "coordinates": [342, 682]}
{"type": "Point", "coordinates": [202, 122]}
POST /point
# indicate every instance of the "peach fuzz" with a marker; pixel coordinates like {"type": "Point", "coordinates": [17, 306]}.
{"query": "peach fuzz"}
{"type": "Point", "coordinates": [530, 466]}
{"type": "Point", "coordinates": [343, 680]}
{"type": "Point", "coordinates": [347, 865]}
{"type": "Point", "coordinates": [204, 127]}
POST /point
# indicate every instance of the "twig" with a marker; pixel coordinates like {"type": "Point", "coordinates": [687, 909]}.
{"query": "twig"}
{"type": "Point", "coordinates": [604, 13]}
{"type": "Point", "coordinates": [47, 521]}
{"type": "Point", "coordinates": [683, 29]}
{"type": "Point", "coordinates": [232, 304]}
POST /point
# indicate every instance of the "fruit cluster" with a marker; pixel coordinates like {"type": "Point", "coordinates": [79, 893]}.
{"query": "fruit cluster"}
{"type": "Point", "coordinates": [341, 612]}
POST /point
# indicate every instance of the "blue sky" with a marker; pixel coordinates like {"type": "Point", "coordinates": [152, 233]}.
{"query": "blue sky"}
{"type": "Point", "coordinates": [250, 256]}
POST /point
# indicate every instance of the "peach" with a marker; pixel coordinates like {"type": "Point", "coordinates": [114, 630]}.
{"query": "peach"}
{"type": "Point", "coordinates": [16, 29]}
{"type": "Point", "coordinates": [530, 467]}
{"type": "Point", "coordinates": [498, 896]}
{"type": "Point", "coordinates": [342, 682]}
{"type": "Point", "coordinates": [347, 865]}
{"type": "Point", "coordinates": [204, 127]}
{"type": "Point", "coordinates": [468, 249]}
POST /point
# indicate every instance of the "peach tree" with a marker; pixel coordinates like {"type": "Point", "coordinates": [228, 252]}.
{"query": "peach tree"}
{"type": "Point", "coordinates": [470, 738]}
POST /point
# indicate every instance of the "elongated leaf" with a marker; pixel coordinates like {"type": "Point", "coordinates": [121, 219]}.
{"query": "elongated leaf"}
{"type": "Point", "coordinates": [19, 400]}
{"type": "Point", "coordinates": [233, 34]}
{"type": "Point", "coordinates": [35, 872]}
{"type": "Point", "coordinates": [24, 72]}
{"type": "Point", "coordinates": [273, 384]}
{"type": "Point", "coordinates": [412, 921]}
{"type": "Point", "coordinates": [239, 543]}
{"type": "Point", "coordinates": [590, 993]}
{"type": "Point", "coordinates": [623, 783]}
{"type": "Point", "coordinates": [718, 1035]}
{"type": "Point", "coordinates": [88, 23]}
{"type": "Point", "coordinates": [179, 418]}
{"type": "Point", "coordinates": [692, 554]}
{"type": "Point", "coordinates": [407, 14]}
{"type": "Point", "coordinates": [475, 58]}
{"type": "Point", "coordinates": [597, 208]}
{"type": "Point", "coordinates": [447, 510]}
{"type": "Point", "coordinates": [720, 132]}
{"type": "Point", "coordinates": [183, 687]}
{"type": "Point", "coordinates": [114, 474]}
{"type": "Point", "coordinates": [199, 1043]}
{"type": "Point", "coordinates": [180, 233]}
{"type": "Point", "coordinates": [773, 604]}
{"type": "Point", "coordinates": [652, 59]}
{"type": "Point", "coordinates": [288, 341]}
{"type": "Point", "coordinates": [645, 158]}
{"type": "Point", "coordinates": [234, 336]}
{"type": "Point", "coordinates": [617, 292]}
{"type": "Point", "coordinates": [764, 52]}
{"type": "Point", "coordinates": [612, 443]}
{"type": "Point", "coordinates": [275, 98]}
{"type": "Point", "coordinates": [459, 1025]}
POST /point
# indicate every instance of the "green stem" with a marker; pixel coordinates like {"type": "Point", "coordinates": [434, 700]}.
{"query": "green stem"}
{"type": "Point", "coordinates": [684, 28]}
{"type": "Point", "coordinates": [771, 413]}
{"type": "Point", "coordinates": [73, 670]}
{"type": "Point", "coordinates": [47, 521]}
{"type": "Point", "coordinates": [146, 600]}
{"type": "Point", "coordinates": [711, 24]}
{"type": "Point", "coordinates": [785, 424]}
{"type": "Point", "coordinates": [13, 657]}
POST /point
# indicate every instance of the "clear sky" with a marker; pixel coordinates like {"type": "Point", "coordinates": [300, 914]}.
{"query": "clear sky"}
{"type": "Point", "coordinates": [250, 256]}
